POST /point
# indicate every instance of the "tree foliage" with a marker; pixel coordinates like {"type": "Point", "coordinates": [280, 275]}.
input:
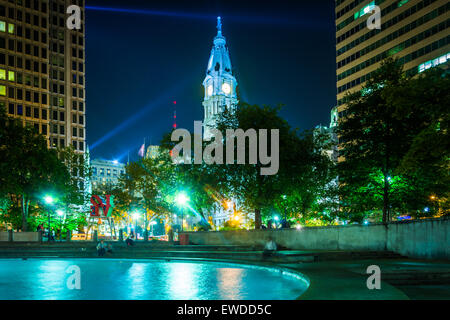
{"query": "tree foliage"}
{"type": "Point", "coordinates": [394, 144]}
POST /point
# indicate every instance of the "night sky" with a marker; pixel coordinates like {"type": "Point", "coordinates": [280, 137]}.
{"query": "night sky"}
{"type": "Point", "coordinates": [137, 64]}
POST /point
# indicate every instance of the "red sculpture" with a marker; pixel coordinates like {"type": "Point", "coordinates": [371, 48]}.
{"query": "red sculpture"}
{"type": "Point", "coordinates": [97, 203]}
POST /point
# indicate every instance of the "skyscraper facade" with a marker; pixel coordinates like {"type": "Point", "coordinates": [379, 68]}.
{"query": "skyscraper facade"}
{"type": "Point", "coordinates": [220, 84]}
{"type": "Point", "coordinates": [42, 69]}
{"type": "Point", "coordinates": [415, 31]}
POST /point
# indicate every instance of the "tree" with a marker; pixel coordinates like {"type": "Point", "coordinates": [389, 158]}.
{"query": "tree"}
{"type": "Point", "coordinates": [425, 102]}
{"type": "Point", "coordinates": [28, 167]}
{"type": "Point", "coordinates": [303, 168]}
{"type": "Point", "coordinates": [384, 129]}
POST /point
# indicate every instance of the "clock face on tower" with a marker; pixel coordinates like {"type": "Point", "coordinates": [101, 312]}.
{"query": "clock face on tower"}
{"type": "Point", "coordinates": [210, 90]}
{"type": "Point", "coordinates": [226, 88]}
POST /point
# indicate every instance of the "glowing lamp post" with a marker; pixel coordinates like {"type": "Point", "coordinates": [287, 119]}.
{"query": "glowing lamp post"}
{"type": "Point", "coordinates": [48, 200]}
{"type": "Point", "coordinates": [60, 214]}
{"type": "Point", "coordinates": [276, 218]}
{"type": "Point", "coordinates": [182, 199]}
{"type": "Point", "coordinates": [135, 216]}
{"type": "Point", "coordinates": [152, 224]}
{"type": "Point", "coordinates": [285, 212]}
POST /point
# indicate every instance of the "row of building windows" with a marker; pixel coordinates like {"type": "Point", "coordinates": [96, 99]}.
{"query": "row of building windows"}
{"type": "Point", "coordinates": [79, 77]}
{"type": "Point", "coordinates": [347, 8]}
{"type": "Point", "coordinates": [12, 11]}
{"type": "Point", "coordinates": [37, 36]}
{"type": "Point", "coordinates": [401, 46]}
{"type": "Point", "coordinates": [26, 79]}
{"type": "Point", "coordinates": [80, 119]}
{"type": "Point", "coordinates": [59, 48]}
{"type": "Point", "coordinates": [409, 73]}
{"type": "Point", "coordinates": [17, 93]}
{"type": "Point", "coordinates": [31, 5]}
{"type": "Point", "coordinates": [365, 10]}
{"type": "Point", "coordinates": [60, 116]}
{"type": "Point", "coordinates": [55, 73]}
{"type": "Point", "coordinates": [30, 112]}
{"type": "Point", "coordinates": [60, 129]}
{"type": "Point", "coordinates": [55, 115]}
{"type": "Point", "coordinates": [363, 25]}
{"type": "Point", "coordinates": [355, 16]}
{"type": "Point", "coordinates": [18, 62]}
{"type": "Point", "coordinates": [409, 27]}
{"type": "Point", "coordinates": [59, 102]}
{"type": "Point", "coordinates": [77, 105]}
{"type": "Point", "coordinates": [77, 132]}
{"type": "Point", "coordinates": [30, 49]}
{"type": "Point", "coordinates": [58, 61]}
{"type": "Point", "coordinates": [60, 89]}
{"type": "Point", "coordinates": [109, 172]}
{"type": "Point", "coordinates": [433, 63]}
{"type": "Point", "coordinates": [390, 23]}
{"type": "Point", "coordinates": [80, 66]}
{"type": "Point", "coordinates": [409, 57]}
{"type": "Point", "coordinates": [78, 145]}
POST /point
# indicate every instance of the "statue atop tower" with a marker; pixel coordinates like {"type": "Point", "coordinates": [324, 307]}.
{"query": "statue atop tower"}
{"type": "Point", "coordinates": [220, 84]}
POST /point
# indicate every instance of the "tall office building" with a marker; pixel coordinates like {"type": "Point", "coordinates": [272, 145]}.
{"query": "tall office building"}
{"type": "Point", "coordinates": [415, 31]}
{"type": "Point", "coordinates": [42, 69]}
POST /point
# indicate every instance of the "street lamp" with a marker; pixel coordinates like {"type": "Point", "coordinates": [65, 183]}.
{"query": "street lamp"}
{"type": "Point", "coordinates": [152, 224]}
{"type": "Point", "coordinates": [285, 213]}
{"type": "Point", "coordinates": [135, 217]}
{"type": "Point", "coordinates": [181, 199]}
{"type": "Point", "coordinates": [60, 214]}
{"type": "Point", "coordinates": [48, 200]}
{"type": "Point", "coordinates": [276, 218]}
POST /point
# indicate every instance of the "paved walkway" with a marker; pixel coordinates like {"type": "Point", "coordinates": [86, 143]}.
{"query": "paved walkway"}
{"type": "Point", "coordinates": [400, 279]}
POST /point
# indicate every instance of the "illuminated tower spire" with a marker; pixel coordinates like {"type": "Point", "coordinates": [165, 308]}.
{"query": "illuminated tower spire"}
{"type": "Point", "coordinates": [220, 84]}
{"type": "Point", "coordinates": [219, 27]}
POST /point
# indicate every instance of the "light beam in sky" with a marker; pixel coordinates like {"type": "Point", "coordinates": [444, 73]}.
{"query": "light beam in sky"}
{"type": "Point", "coordinates": [305, 21]}
{"type": "Point", "coordinates": [157, 102]}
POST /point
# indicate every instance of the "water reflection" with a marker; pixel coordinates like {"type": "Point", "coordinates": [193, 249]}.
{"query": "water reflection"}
{"type": "Point", "coordinates": [137, 279]}
{"type": "Point", "coordinates": [45, 279]}
{"type": "Point", "coordinates": [182, 281]}
{"type": "Point", "coordinates": [230, 281]}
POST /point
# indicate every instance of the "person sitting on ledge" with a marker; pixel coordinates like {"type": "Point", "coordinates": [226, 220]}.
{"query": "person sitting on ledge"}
{"type": "Point", "coordinates": [270, 248]}
{"type": "Point", "coordinates": [109, 248]}
{"type": "Point", "coordinates": [129, 240]}
{"type": "Point", "coordinates": [101, 248]}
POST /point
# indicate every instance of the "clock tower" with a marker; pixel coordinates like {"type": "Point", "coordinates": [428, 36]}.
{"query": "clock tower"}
{"type": "Point", "coordinates": [220, 84]}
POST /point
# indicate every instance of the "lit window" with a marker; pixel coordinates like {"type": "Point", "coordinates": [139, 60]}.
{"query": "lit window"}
{"type": "Point", "coordinates": [2, 26]}
{"type": "Point", "coordinates": [11, 28]}
{"type": "Point", "coordinates": [2, 90]}
{"type": "Point", "coordinates": [433, 63]}
{"type": "Point", "coordinates": [11, 76]}
{"type": "Point", "coordinates": [365, 10]}
{"type": "Point", "coordinates": [402, 2]}
{"type": "Point", "coordinates": [2, 74]}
